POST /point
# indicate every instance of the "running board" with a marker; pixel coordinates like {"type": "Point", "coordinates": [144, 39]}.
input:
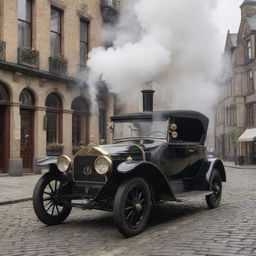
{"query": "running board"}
{"type": "Point", "coordinates": [192, 195]}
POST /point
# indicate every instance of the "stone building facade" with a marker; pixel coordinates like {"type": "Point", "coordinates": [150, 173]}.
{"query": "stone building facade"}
{"type": "Point", "coordinates": [235, 112]}
{"type": "Point", "coordinates": [45, 104]}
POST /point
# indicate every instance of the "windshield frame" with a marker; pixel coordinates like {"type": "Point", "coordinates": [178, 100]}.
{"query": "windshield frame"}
{"type": "Point", "coordinates": [166, 121]}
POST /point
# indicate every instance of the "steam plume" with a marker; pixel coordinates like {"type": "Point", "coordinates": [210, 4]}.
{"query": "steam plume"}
{"type": "Point", "coordinates": [169, 42]}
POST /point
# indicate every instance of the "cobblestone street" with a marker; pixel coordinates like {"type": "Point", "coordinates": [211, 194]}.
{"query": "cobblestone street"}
{"type": "Point", "coordinates": [175, 229]}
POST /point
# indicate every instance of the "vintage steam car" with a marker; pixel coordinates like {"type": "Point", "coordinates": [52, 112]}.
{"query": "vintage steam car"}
{"type": "Point", "coordinates": [155, 156]}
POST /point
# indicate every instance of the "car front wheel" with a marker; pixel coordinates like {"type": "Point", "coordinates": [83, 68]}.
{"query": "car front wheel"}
{"type": "Point", "coordinates": [46, 205]}
{"type": "Point", "coordinates": [132, 206]}
{"type": "Point", "coordinates": [213, 200]}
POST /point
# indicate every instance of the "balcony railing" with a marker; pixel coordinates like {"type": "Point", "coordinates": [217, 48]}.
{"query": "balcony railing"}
{"type": "Point", "coordinates": [28, 57]}
{"type": "Point", "coordinates": [110, 10]}
{"type": "Point", "coordinates": [2, 50]}
{"type": "Point", "coordinates": [58, 65]}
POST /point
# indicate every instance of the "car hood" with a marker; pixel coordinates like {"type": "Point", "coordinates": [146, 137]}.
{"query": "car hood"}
{"type": "Point", "coordinates": [123, 151]}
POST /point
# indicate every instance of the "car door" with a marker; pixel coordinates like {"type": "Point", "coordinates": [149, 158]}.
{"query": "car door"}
{"type": "Point", "coordinates": [185, 149]}
{"type": "Point", "coordinates": [172, 158]}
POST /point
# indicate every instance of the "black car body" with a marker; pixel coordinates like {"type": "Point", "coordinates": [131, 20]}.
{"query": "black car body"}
{"type": "Point", "coordinates": [155, 156]}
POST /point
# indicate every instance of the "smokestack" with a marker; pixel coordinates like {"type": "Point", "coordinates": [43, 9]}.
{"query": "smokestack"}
{"type": "Point", "coordinates": [147, 100]}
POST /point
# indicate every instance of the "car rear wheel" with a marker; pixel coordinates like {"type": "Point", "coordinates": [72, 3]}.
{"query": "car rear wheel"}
{"type": "Point", "coordinates": [46, 206]}
{"type": "Point", "coordinates": [213, 200]}
{"type": "Point", "coordinates": [132, 206]}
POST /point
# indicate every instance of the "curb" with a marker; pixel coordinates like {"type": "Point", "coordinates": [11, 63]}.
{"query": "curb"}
{"type": "Point", "coordinates": [15, 201]}
{"type": "Point", "coordinates": [240, 167]}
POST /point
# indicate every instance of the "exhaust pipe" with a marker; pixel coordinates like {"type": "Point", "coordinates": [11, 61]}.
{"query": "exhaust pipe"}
{"type": "Point", "coordinates": [147, 100]}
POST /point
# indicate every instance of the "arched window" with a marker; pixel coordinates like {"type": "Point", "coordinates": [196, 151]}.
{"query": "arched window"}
{"type": "Point", "coordinates": [4, 95]}
{"type": "Point", "coordinates": [54, 118]}
{"type": "Point", "coordinates": [4, 128]}
{"type": "Point", "coordinates": [80, 122]}
{"type": "Point", "coordinates": [26, 98]}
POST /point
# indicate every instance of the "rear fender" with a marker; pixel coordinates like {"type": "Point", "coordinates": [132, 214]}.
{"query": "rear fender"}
{"type": "Point", "coordinates": [152, 174]}
{"type": "Point", "coordinates": [206, 171]}
{"type": "Point", "coordinates": [215, 163]}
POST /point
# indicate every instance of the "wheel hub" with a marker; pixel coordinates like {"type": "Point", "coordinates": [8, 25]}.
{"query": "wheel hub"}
{"type": "Point", "coordinates": [216, 188]}
{"type": "Point", "coordinates": [138, 207]}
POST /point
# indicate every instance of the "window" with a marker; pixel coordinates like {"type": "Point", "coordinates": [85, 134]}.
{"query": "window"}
{"type": "Point", "coordinates": [4, 95]}
{"type": "Point", "coordinates": [80, 122]}
{"type": "Point", "coordinates": [249, 115]}
{"type": "Point", "coordinates": [250, 86]}
{"type": "Point", "coordinates": [24, 23]}
{"type": "Point", "coordinates": [234, 116]}
{"type": "Point", "coordinates": [231, 118]}
{"type": "Point", "coordinates": [84, 25]}
{"type": "Point", "coordinates": [219, 116]}
{"type": "Point", "coordinates": [26, 97]}
{"type": "Point", "coordinates": [227, 116]}
{"type": "Point", "coordinates": [190, 130]}
{"type": "Point", "coordinates": [53, 114]}
{"type": "Point", "coordinates": [55, 32]}
{"type": "Point", "coordinates": [230, 86]}
{"type": "Point", "coordinates": [249, 49]}
{"type": "Point", "coordinates": [223, 115]}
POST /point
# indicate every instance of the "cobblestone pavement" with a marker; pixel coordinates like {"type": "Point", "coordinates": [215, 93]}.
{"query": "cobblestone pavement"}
{"type": "Point", "coordinates": [15, 189]}
{"type": "Point", "coordinates": [174, 229]}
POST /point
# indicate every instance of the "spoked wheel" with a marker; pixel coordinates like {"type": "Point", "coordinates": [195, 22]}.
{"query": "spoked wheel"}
{"type": "Point", "coordinates": [213, 200]}
{"type": "Point", "coordinates": [132, 206]}
{"type": "Point", "coordinates": [46, 205]}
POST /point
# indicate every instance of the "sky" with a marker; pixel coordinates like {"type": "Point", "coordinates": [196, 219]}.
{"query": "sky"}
{"type": "Point", "coordinates": [227, 17]}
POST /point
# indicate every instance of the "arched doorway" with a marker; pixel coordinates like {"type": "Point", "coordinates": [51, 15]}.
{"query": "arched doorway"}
{"type": "Point", "coordinates": [54, 119]}
{"type": "Point", "coordinates": [80, 122]}
{"type": "Point", "coordinates": [27, 102]}
{"type": "Point", "coordinates": [4, 128]}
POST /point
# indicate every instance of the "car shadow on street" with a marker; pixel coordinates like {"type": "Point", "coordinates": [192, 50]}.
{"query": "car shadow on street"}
{"type": "Point", "coordinates": [100, 222]}
{"type": "Point", "coordinates": [173, 211]}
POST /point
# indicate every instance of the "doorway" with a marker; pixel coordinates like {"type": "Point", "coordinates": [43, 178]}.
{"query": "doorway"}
{"type": "Point", "coordinates": [27, 139]}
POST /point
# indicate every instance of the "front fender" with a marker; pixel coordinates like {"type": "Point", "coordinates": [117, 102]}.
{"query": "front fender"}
{"type": "Point", "coordinates": [51, 162]}
{"type": "Point", "coordinates": [126, 167]}
{"type": "Point", "coordinates": [152, 174]}
{"type": "Point", "coordinates": [47, 161]}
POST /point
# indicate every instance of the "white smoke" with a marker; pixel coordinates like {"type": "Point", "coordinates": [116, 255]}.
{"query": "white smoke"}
{"type": "Point", "coordinates": [170, 42]}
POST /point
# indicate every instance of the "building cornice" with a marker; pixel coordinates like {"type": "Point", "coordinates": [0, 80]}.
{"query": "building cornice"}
{"type": "Point", "coordinates": [9, 66]}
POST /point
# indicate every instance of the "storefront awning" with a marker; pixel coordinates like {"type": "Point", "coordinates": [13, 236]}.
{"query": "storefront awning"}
{"type": "Point", "coordinates": [248, 135]}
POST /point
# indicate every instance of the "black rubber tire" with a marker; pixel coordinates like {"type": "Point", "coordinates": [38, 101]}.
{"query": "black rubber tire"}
{"type": "Point", "coordinates": [213, 200]}
{"type": "Point", "coordinates": [38, 201]}
{"type": "Point", "coordinates": [140, 210]}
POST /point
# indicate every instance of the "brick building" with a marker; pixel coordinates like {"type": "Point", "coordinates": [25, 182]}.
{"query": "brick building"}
{"type": "Point", "coordinates": [235, 112]}
{"type": "Point", "coordinates": [44, 103]}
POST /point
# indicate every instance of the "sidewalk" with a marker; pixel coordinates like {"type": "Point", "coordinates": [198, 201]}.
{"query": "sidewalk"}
{"type": "Point", "coordinates": [19, 189]}
{"type": "Point", "coordinates": [233, 165]}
